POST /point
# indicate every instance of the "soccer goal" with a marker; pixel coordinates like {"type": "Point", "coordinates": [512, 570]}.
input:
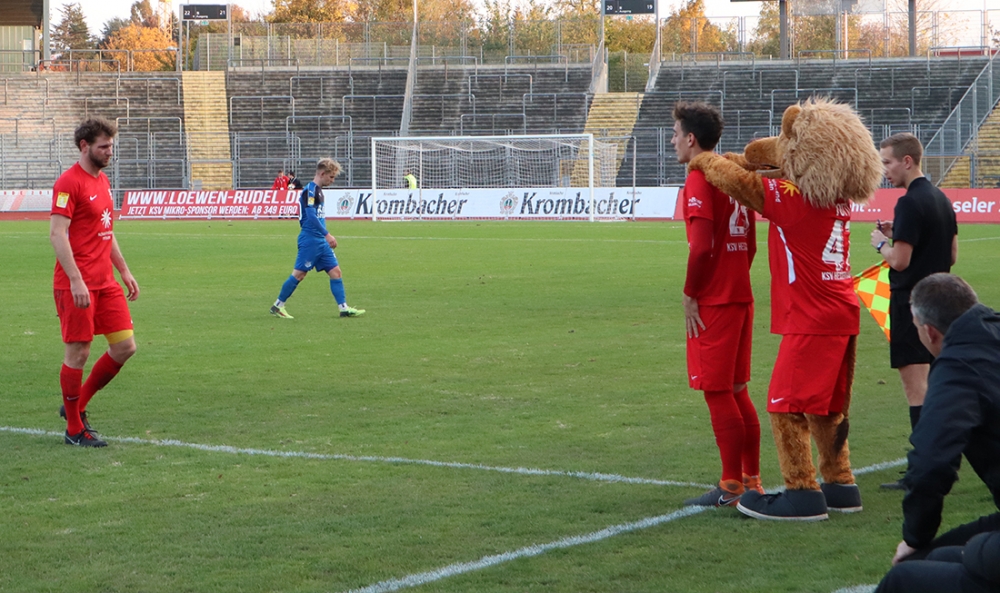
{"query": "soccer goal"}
{"type": "Point", "coordinates": [491, 176]}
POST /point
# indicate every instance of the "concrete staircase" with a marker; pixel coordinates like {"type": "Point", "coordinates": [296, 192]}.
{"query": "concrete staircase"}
{"type": "Point", "coordinates": [986, 147]}
{"type": "Point", "coordinates": [206, 119]}
{"type": "Point", "coordinates": [611, 118]}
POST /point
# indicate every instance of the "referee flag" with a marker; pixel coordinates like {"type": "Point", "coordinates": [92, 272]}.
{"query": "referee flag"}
{"type": "Point", "coordinates": [872, 286]}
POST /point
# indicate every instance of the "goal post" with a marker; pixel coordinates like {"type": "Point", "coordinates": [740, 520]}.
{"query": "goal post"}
{"type": "Point", "coordinates": [572, 162]}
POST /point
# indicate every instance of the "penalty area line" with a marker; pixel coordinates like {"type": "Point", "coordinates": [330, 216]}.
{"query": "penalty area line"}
{"type": "Point", "coordinates": [524, 471]}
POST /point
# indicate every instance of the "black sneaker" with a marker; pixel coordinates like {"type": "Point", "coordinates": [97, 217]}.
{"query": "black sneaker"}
{"type": "Point", "coordinates": [83, 418]}
{"type": "Point", "coordinates": [84, 439]}
{"type": "Point", "coordinates": [716, 497]}
{"type": "Point", "coordinates": [790, 505]}
{"type": "Point", "coordinates": [843, 498]}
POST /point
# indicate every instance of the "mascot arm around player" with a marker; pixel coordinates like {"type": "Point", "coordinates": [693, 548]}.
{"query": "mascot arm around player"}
{"type": "Point", "coordinates": [804, 181]}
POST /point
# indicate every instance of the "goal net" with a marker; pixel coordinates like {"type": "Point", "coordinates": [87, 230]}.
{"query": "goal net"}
{"type": "Point", "coordinates": [575, 163]}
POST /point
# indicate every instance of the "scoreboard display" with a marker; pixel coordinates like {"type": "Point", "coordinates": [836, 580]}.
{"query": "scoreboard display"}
{"type": "Point", "coordinates": [204, 12]}
{"type": "Point", "coordinates": [629, 7]}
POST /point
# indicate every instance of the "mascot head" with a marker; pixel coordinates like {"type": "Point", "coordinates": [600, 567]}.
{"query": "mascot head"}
{"type": "Point", "coordinates": [825, 149]}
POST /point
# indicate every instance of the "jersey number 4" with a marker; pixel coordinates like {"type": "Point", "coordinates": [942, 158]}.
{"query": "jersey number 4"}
{"type": "Point", "coordinates": [835, 251]}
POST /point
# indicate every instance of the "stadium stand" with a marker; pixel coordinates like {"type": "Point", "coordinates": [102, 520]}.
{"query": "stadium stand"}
{"type": "Point", "coordinates": [892, 95]}
{"type": "Point", "coordinates": [177, 131]}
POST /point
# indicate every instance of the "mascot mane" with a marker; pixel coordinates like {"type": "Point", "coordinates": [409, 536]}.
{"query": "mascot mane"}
{"type": "Point", "coordinates": [826, 150]}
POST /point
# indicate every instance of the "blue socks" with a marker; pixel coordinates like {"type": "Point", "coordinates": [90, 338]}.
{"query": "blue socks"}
{"type": "Point", "coordinates": [337, 288]}
{"type": "Point", "coordinates": [288, 288]}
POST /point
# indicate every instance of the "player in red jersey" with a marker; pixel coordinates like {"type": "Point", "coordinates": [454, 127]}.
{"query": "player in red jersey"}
{"type": "Point", "coordinates": [718, 307]}
{"type": "Point", "coordinates": [828, 162]}
{"type": "Point", "coordinates": [89, 301]}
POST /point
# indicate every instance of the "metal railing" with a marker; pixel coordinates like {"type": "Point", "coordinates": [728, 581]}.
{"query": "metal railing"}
{"type": "Point", "coordinates": [836, 54]}
{"type": "Point", "coordinates": [964, 120]}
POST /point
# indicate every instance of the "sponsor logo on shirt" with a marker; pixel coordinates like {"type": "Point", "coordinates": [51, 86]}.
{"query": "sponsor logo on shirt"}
{"type": "Point", "coordinates": [62, 198]}
{"type": "Point", "coordinates": [106, 218]}
{"type": "Point", "coordinates": [311, 201]}
{"type": "Point", "coordinates": [789, 188]}
{"type": "Point", "coordinates": [837, 275]}
{"type": "Point", "coordinates": [694, 202]}
{"type": "Point", "coordinates": [93, 197]}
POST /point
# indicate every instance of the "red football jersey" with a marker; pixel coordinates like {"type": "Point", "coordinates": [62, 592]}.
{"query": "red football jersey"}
{"type": "Point", "coordinates": [730, 274]}
{"type": "Point", "coordinates": [86, 200]}
{"type": "Point", "coordinates": [812, 291]}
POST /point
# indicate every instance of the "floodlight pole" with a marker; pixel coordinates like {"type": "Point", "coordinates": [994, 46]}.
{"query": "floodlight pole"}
{"type": "Point", "coordinates": [912, 10]}
{"type": "Point", "coordinates": [783, 29]}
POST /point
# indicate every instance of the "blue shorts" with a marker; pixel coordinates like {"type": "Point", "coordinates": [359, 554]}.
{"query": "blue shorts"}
{"type": "Point", "coordinates": [315, 254]}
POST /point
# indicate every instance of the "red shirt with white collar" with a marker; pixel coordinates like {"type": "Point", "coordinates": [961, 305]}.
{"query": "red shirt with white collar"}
{"type": "Point", "coordinates": [86, 200]}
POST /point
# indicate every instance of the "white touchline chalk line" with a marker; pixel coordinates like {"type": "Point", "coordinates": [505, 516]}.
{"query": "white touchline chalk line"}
{"type": "Point", "coordinates": [526, 471]}
{"type": "Point", "coordinates": [423, 578]}
{"type": "Point", "coordinates": [414, 580]}
{"type": "Point", "coordinates": [858, 589]}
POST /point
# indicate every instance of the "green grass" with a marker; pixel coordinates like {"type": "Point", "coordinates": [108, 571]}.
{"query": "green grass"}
{"type": "Point", "coordinates": [555, 346]}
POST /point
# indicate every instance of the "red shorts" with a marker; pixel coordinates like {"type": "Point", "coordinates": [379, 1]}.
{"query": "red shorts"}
{"type": "Point", "coordinates": [108, 313]}
{"type": "Point", "coordinates": [810, 375]}
{"type": "Point", "coordinates": [720, 356]}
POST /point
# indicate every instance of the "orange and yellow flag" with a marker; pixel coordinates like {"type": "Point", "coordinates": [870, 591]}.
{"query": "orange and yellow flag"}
{"type": "Point", "coordinates": [872, 287]}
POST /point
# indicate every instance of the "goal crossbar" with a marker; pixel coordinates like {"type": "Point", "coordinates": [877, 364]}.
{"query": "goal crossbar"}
{"type": "Point", "coordinates": [496, 161]}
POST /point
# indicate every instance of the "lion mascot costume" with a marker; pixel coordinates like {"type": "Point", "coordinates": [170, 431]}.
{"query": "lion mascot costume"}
{"type": "Point", "coordinates": [804, 182]}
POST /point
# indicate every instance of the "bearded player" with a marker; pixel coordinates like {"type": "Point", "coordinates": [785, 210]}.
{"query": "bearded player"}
{"type": "Point", "coordinates": [718, 308]}
{"type": "Point", "coordinates": [89, 301]}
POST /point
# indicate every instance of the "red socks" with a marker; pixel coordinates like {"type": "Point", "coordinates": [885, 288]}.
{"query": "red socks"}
{"type": "Point", "coordinates": [737, 432]}
{"type": "Point", "coordinates": [727, 423]}
{"type": "Point", "coordinates": [76, 396]}
{"type": "Point", "coordinates": [103, 372]}
{"type": "Point", "coordinates": [69, 380]}
{"type": "Point", "coordinates": [751, 433]}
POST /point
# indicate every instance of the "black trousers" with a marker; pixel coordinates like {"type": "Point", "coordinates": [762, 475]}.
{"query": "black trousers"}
{"type": "Point", "coordinates": [938, 567]}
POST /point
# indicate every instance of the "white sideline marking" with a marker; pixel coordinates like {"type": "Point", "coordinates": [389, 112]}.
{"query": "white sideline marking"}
{"type": "Point", "coordinates": [525, 471]}
{"type": "Point", "coordinates": [877, 467]}
{"type": "Point", "coordinates": [423, 578]}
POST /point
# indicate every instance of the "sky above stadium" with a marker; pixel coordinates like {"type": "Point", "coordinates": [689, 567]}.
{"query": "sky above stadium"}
{"type": "Point", "coordinates": [98, 12]}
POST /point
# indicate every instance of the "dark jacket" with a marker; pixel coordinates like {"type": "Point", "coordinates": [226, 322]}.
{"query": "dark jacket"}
{"type": "Point", "coordinates": [981, 556]}
{"type": "Point", "coordinates": [961, 415]}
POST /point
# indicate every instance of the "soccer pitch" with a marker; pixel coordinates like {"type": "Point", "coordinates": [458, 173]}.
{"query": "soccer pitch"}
{"type": "Point", "coordinates": [512, 414]}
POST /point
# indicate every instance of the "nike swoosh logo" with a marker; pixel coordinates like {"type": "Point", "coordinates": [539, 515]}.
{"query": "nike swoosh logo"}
{"type": "Point", "coordinates": [723, 501]}
{"type": "Point", "coordinates": [774, 401]}
{"type": "Point", "coordinates": [92, 198]}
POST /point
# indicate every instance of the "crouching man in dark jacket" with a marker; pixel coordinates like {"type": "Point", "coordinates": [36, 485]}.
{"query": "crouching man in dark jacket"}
{"type": "Point", "coordinates": [961, 416]}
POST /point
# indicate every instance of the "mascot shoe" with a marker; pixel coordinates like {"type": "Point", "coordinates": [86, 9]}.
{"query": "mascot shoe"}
{"type": "Point", "coordinates": [790, 505]}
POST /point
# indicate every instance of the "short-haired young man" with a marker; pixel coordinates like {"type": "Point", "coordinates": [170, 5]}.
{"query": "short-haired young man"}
{"type": "Point", "coordinates": [316, 244]}
{"type": "Point", "coordinates": [89, 301]}
{"type": "Point", "coordinates": [718, 307]}
{"type": "Point", "coordinates": [924, 238]}
{"type": "Point", "coordinates": [962, 417]}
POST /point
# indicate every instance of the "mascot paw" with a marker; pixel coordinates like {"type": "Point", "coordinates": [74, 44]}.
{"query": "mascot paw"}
{"type": "Point", "coordinates": [703, 162]}
{"type": "Point", "coordinates": [739, 159]}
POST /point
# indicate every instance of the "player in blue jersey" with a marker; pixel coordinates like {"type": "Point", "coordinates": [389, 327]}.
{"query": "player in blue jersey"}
{"type": "Point", "coordinates": [316, 244]}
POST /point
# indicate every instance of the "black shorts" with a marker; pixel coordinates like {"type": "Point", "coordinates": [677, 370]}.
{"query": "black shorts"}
{"type": "Point", "coordinates": [905, 347]}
